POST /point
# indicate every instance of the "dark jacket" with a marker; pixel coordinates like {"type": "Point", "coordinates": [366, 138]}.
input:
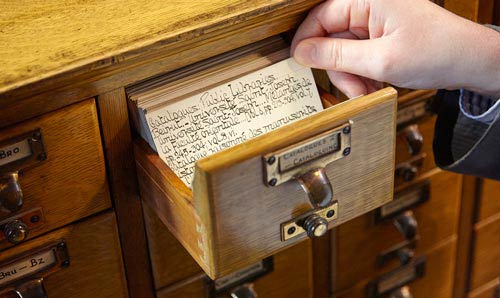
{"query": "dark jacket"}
{"type": "Point", "coordinates": [465, 145]}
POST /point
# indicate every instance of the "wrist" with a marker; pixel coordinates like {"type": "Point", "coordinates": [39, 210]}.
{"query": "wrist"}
{"type": "Point", "coordinates": [479, 69]}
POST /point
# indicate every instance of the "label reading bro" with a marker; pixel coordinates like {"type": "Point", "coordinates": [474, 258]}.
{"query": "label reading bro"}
{"type": "Point", "coordinates": [15, 151]}
{"type": "Point", "coordinates": [31, 264]}
{"type": "Point", "coordinates": [309, 151]}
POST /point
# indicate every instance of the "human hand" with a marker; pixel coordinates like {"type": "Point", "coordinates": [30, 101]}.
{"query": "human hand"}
{"type": "Point", "coordinates": [412, 44]}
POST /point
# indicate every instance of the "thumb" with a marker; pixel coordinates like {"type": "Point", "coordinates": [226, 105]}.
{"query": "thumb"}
{"type": "Point", "coordinates": [360, 57]}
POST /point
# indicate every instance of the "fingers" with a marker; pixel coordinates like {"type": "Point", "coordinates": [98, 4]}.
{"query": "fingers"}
{"type": "Point", "coordinates": [352, 85]}
{"type": "Point", "coordinates": [361, 57]}
{"type": "Point", "coordinates": [335, 16]}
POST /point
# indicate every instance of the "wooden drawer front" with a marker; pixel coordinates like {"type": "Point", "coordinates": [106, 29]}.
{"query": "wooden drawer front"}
{"type": "Point", "coordinates": [231, 219]}
{"type": "Point", "coordinates": [414, 155]}
{"type": "Point", "coordinates": [365, 239]}
{"type": "Point", "coordinates": [95, 262]}
{"type": "Point", "coordinates": [71, 182]}
{"type": "Point", "coordinates": [437, 281]}
{"type": "Point", "coordinates": [489, 204]}
{"type": "Point", "coordinates": [291, 277]}
{"type": "Point", "coordinates": [171, 263]}
{"type": "Point", "coordinates": [486, 255]}
{"type": "Point", "coordinates": [489, 290]}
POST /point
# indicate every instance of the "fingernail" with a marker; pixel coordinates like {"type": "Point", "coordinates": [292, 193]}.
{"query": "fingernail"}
{"type": "Point", "coordinates": [305, 53]}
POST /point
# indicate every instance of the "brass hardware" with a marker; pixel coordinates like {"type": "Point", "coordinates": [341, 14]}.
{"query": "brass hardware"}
{"type": "Point", "coordinates": [16, 154]}
{"type": "Point", "coordinates": [317, 187]}
{"type": "Point", "coordinates": [313, 223]}
{"type": "Point", "coordinates": [405, 199]}
{"type": "Point", "coordinates": [24, 275]}
{"type": "Point", "coordinates": [414, 139]}
{"type": "Point", "coordinates": [315, 226]}
{"type": "Point", "coordinates": [409, 170]}
{"type": "Point", "coordinates": [305, 162]}
{"type": "Point", "coordinates": [243, 291]}
{"type": "Point", "coordinates": [403, 292]}
{"type": "Point", "coordinates": [15, 231]}
{"type": "Point", "coordinates": [404, 252]}
{"type": "Point", "coordinates": [239, 284]}
{"type": "Point", "coordinates": [389, 283]}
{"type": "Point", "coordinates": [31, 289]}
{"type": "Point", "coordinates": [32, 219]}
{"type": "Point", "coordinates": [407, 224]}
{"type": "Point", "coordinates": [11, 194]}
{"type": "Point", "coordinates": [414, 111]}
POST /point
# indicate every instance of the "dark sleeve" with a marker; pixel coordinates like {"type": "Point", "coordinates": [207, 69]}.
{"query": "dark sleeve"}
{"type": "Point", "coordinates": [464, 145]}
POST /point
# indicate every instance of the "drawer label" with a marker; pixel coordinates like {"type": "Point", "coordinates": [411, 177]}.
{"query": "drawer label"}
{"type": "Point", "coordinates": [312, 153]}
{"type": "Point", "coordinates": [404, 200]}
{"type": "Point", "coordinates": [27, 266]}
{"type": "Point", "coordinates": [309, 151]}
{"type": "Point", "coordinates": [16, 151]}
{"type": "Point", "coordinates": [42, 262]}
{"type": "Point", "coordinates": [21, 152]}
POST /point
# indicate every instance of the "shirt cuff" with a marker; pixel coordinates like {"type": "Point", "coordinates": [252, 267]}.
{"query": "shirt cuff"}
{"type": "Point", "coordinates": [477, 107]}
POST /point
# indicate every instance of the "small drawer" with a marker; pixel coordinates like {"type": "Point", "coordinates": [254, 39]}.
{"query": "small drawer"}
{"type": "Point", "coordinates": [489, 290]}
{"type": "Point", "coordinates": [244, 207]}
{"type": "Point", "coordinates": [52, 172]}
{"type": "Point", "coordinates": [420, 216]}
{"type": "Point", "coordinates": [486, 252]}
{"type": "Point", "coordinates": [81, 260]}
{"type": "Point", "coordinates": [489, 204]}
{"type": "Point", "coordinates": [415, 125]}
{"type": "Point", "coordinates": [170, 262]}
{"type": "Point", "coordinates": [431, 275]}
{"type": "Point", "coordinates": [290, 275]}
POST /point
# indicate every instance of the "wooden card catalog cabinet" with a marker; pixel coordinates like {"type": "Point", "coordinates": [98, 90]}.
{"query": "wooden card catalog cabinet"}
{"type": "Point", "coordinates": [256, 198]}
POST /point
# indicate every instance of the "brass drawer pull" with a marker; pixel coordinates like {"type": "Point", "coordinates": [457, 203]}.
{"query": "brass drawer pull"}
{"type": "Point", "coordinates": [11, 194]}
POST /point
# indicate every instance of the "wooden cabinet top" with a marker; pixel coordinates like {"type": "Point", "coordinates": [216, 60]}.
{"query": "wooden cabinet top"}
{"type": "Point", "coordinates": [40, 40]}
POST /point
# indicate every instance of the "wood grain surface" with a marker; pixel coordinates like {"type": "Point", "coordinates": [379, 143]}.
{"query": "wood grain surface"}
{"type": "Point", "coordinates": [488, 290]}
{"type": "Point", "coordinates": [291, 277]}
{"type": "Point", "coordinates": [123, 181]}
{"type": "Point", "coordinates": [437, 219]}
{"type": "Point", "coordinates": [489, 203]}
{"type": "Point", "coordinates": [170, 262]}
{"type": "Point", "coordinates": [96, 268]}
{"type": "Point", "coordinates": [71, 183]}
{"type": "Point", "coordinates": [486, 254]}
{"type": "Point", "coordinates": [437, 281]}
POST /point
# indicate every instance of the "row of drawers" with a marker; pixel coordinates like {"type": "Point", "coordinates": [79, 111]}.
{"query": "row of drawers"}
{"type": "Point", "coordinates": [53, 183]}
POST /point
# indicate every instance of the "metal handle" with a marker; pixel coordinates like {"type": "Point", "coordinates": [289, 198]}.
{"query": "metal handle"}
{"type": "Point", "coordinates": [403, 292]}
{"type": "Point", "coordinates": [11, 194]}
{"type": "Point", "coordinates": [407, 224]}
{"type": "Point", "coordinates": [317, 186]}
{"type": "Point", "coordinates": [15, 231]}
{"type": "Point", "coordinates": [243, 291]}
{"type": "Point", "coordinates": [414, 139]}
{"type": "Point", "coordinates": [31, 289]}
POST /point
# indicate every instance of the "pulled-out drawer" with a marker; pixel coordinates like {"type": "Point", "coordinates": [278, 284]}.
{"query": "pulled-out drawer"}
{"type": "Point", "coordinates": [52, 172]}
{"type": "Point", "coordinates": [288, 275]}
{"type": "Point", "coordinates": [81, 260]}
{"type": "Point", "coordinates": [420, 216]}
{"type": "Point", "coordinates": [486, 252]}
{"type": "Point", "coordinates": [428, 275]}
{"type": "Point", "coordinates": [246, 203]}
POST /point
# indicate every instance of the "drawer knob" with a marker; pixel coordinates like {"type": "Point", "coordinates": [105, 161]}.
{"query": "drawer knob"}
{"type": "Point", "coordinates": [407, 224]}
{"type": "Point", "coordinates": [315, 226]}
{"type": "Point", "coordinates": [317, 186]}
{"type": "Point", "coordinates": [414, 139]}
{"type": "Point", "coordinates": [11, 194]}
{"type": "Point", "coordinates": [244, 291]}
{"type": "Point", "coordinates": [15, 231]}
{"type": "Point", "coordinates": [403, 292]}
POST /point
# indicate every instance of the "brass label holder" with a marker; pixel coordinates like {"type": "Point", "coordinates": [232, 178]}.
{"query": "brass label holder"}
{"type": "Point", "coordinates": [24, 275]}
